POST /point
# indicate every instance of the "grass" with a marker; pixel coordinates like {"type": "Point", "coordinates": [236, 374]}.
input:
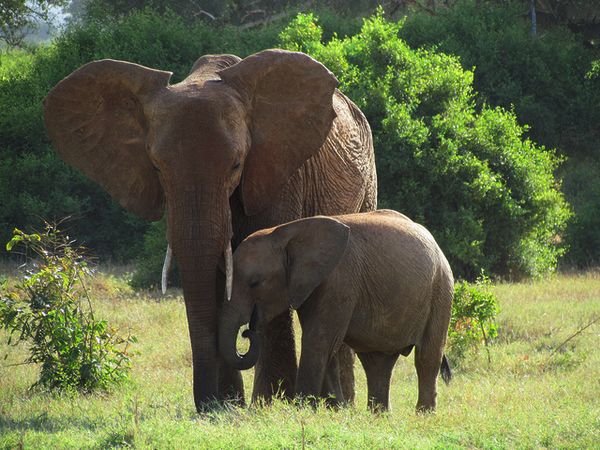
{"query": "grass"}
{"type": "Point", "coordinates": [535, 393]}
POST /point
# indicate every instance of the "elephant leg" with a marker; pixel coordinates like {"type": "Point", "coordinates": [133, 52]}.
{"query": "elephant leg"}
{"type": "Point", "coordinates": [323, 331]}
{"type": "Point", "coordinates": [332, 388]}
{"type": "Point", "coordinates": [428, 355]}
{"type": "Point", "coordinates": [345, 357]}
{"type": "Point", "coordinates": [428, 359]}
{"type": "Point", "coordinates": [378, 368]}
{"type": "Point", "coordinates": [312, 371]}
{"type": "Point", "coordinates": [231, 384]}
{"type": "Point", "coordinates": [275, 372]}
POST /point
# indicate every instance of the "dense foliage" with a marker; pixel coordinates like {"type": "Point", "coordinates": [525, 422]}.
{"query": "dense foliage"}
{"type": "Point", "coordinates": [50, 310]}
{"type": "Point", "coordinates": [549, 83]}
{"type": "Point", "coordinates": [486, 220]}
{"type": "Point", "coordinates": [487, 193]}
{"type": "Point", "coordinates": [233, 12]}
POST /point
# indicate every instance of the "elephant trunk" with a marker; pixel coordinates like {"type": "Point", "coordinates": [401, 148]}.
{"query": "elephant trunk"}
{"type": "Point", "coordinates": [229, 325]}
{"type": "Point", "coordinates": [198, 243]}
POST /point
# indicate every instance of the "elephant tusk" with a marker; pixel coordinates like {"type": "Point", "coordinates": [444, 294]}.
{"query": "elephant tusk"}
{"type": "Point", "coordinates": [228, 271]}
{"type": "Point", "coordinates": [166, 268]}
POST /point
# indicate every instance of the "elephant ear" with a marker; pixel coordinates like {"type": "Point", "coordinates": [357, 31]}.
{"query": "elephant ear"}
{"type": "Point", "coordinates": [207, 66]}
{"type": "Point", "coordinates": [96, 121]}
{"type": "Point", "coordinates": [290, 96]}
{"type": "Point", "coordinates": [313, 248]}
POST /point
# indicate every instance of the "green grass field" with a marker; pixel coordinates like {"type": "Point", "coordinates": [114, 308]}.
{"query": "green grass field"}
{"type": "Point", "coordinates": [526, 397]}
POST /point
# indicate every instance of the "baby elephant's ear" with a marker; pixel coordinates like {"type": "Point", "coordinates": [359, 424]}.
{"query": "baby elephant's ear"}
{"type": "Point", "coordinates": [289, 97]}
{"type": "Point", "coordinates": [314, 247]}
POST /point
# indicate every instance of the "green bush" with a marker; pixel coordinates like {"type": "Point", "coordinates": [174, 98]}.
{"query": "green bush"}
{"type": "Point", "coordinates": [50, 310]}
{"type": "Point", "coordinates": [473, 321]}
{"type": "Point", "coordinates": [487, 194]}
{"type": "Point", "coordinates": [548, 81]}
{"type": "Point", "coordinates": [544, 77]}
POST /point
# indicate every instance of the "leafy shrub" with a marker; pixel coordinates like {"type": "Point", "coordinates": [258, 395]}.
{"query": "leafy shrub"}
{"type": "Point", "coordinates": [544, 78]}
{"type": "Point", "coordinates": [548, 81]}
{"type": "Point", "coordinates": [487, 193]}
{"type": "Point", "coordinates": [473, 321]}
{"type": "Point", "coordinates": [50, 309]}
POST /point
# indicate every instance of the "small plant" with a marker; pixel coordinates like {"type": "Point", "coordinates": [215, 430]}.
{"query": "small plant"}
{"type": "Point", "coordinates": [473, 321]}
{"type": "Point", "coordinates": [50, 309]}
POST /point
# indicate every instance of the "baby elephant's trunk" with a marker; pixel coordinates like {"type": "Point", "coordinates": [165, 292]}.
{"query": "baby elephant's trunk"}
{"type": "Point", "coordinates": [228, 332]}
{"type": "Point", "coordinates": [445, 370]}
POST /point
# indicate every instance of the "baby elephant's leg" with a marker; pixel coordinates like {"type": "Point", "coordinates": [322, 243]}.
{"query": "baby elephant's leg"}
{"type": "Point", "coordinates": [332, 387]}
{"type": "Point", "coordinates": [378, 367]}
{"type": "Point", "coordinates": [318, 348]}
{"type": "Point", "coordinates": [428, 359]}
{"type": "Point", "coordinates": [323, 331]}
{"type": "Point", "coordinates": [311, 373]}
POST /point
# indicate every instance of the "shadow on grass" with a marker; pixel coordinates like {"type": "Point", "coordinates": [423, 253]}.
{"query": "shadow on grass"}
{"type": "Point", "coordinates": [42, 422]}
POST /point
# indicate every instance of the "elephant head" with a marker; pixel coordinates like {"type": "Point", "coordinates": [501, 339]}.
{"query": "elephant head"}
{"type": "Point", "coordinates": [185, 148]}
{"type": "Point", "coordinates": [273, 270]}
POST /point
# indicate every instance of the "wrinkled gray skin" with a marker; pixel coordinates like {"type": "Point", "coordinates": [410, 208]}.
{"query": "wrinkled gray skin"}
{"type": "Point", "coordinates": [237, 146]}
{"type": "Point", "coordinates": [376, 281]}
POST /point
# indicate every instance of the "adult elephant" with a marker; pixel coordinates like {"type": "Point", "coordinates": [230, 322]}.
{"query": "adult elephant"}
{"type": "Point", "coordinates": [237, 146]}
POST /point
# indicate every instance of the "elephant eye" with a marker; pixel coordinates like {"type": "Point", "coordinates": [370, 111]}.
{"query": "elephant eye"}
{"type": "Point", "coordinates": [253, 283]}
{"type": "Point", "coordinates": [236, 166]}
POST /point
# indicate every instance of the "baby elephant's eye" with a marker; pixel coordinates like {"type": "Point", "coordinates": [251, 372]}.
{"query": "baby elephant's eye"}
{"type": "Point", "coordinates": [253, 283]}
{"type": "Point", "coordinates": [236, 166]}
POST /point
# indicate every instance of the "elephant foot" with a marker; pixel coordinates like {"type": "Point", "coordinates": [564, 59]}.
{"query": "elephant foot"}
{"type": "Point", "coordinates": [207, 407]}
{"type": "Point", "coordinates": [425, 409]}
{"type": "Point", "coordinates": [231, 386]}
{"type": "Point", "coordinates": [335, 403]}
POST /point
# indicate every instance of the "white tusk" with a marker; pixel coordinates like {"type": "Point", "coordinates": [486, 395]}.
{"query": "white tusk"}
{"type": "Point", "coordinates": [228, 271]}
{"type": "Point", "coordinates": [166, 268]}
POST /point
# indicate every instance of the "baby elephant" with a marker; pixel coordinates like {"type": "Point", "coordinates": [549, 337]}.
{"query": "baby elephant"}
{"type": "Point", "coordinates": [376, 281]}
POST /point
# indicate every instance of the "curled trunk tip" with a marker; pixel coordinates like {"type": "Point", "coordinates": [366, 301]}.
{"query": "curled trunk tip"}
{"type": "Point", "coordinates": [228, 348]}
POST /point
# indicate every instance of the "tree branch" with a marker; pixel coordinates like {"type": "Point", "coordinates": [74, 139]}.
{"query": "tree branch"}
{"type": "Point", "coordinates": [577, 333]}
{"type": "Point", "coordinates": [274, 17]}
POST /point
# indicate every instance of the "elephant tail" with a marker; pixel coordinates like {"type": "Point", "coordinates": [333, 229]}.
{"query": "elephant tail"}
{"type": "Point", "coordinates": [445, 370]}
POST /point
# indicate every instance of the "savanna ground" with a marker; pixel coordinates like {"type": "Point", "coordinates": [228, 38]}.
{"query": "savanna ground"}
{"type": "Point", "coordinates": [535, 392]}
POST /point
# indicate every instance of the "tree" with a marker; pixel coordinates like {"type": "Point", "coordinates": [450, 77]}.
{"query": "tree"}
{"type": "Point", "coordinates": [547, 82]}
{"type": "Point", "coordinates": [18, 18]}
